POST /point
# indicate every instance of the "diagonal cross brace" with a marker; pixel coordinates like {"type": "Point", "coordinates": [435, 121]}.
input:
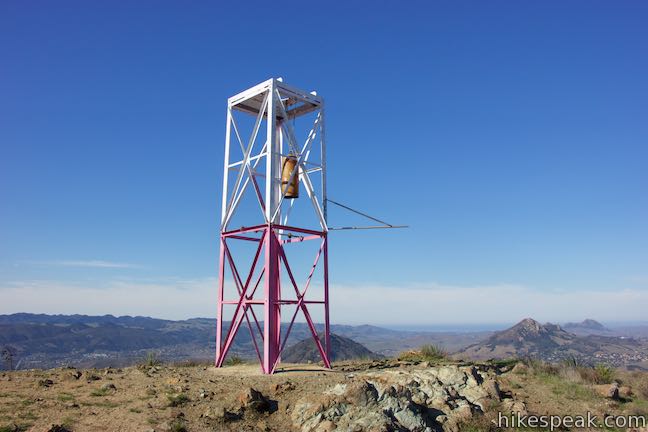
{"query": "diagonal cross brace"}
{"type": "Point", "coordinates": [246, 307]}
{"type": "Point", "coordinates": [302, 305]}
{"type": "Point", "coordinates": [235, 324]}
{"type": "Point", "coordinates": [243, 188]}
{"type": "Point", "coordinates": [300, 300]}
{"type": "Point", "coordinates": [250, 170]}
{"type": "Point", "coordinates": [246, 158]}
{"type": "Point", "coordinates": [292, 142]}
{"type": "Point", "coordinates": [306, 152]}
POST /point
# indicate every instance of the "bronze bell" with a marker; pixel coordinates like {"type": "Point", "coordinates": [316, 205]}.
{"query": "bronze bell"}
{"type": "Point", "coordinates": [289, 188]}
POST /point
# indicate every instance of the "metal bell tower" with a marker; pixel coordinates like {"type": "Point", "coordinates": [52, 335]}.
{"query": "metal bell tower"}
{"type": "Point", "coordinates": [270, 168]}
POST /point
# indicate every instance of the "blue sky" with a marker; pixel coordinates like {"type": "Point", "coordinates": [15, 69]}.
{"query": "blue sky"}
{"type": "Point", "coordinates": [511, 137]}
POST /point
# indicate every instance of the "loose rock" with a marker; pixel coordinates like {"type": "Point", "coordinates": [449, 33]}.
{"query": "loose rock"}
{"type": "Point", "coordinates": [46, 383]}
{"type": "Point", "coordinates": [610, 391]}
{"type": "Point", "coordinates": [254, 400]}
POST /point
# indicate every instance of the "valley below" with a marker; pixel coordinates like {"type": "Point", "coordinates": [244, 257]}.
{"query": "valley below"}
{"type": "Point", "coordinates": [47, 341]}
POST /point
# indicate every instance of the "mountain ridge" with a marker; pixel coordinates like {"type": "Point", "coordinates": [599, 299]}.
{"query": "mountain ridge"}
{"type": "Point", "coordinates": [342, 348]}
{"type": "Point", "coordinates": [552, 343]}
{"type": "Point", "coordinates": [587, 327]}
{"type": "Point", "coordinates": [44, 341]}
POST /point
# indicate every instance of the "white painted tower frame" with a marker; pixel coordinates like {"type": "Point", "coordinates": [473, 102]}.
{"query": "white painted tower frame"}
{"type": "Point", "coordinates": [277, 103]}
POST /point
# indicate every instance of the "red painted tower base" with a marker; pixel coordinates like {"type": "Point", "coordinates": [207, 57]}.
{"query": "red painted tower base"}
{"type": "Point", "coordinates": [271, 239]}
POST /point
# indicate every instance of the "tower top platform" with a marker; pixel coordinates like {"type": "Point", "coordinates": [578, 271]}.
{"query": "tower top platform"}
{"type": "Point", "coordinates": [297, 102]}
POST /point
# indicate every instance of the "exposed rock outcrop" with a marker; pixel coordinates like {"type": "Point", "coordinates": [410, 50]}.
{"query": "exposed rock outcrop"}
{"type": "Point", "coordinates": [435, 399]}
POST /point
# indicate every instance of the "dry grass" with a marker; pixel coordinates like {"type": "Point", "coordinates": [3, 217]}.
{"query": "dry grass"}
{"type": "Point", "coordinates": [640, 381]}
{"type": "Point", "coordinates": [178, 425]}
{"type": "Point", "coordinates": [431, 353]}
{"type": "Point", "coordinates": [479, 424]}
{"type": "Point", "coordinates": [488, 423]}
{"type": "Point", "coordinates": [192, 363]}
{"type": "Point", "coordinates": [99, 392]}
{"type": "Point", "coordinates": [63, 397]}
{"type": "Point", "coordinates": [574, 371]}
{"type": "Point", "coordinates": [145, 400]}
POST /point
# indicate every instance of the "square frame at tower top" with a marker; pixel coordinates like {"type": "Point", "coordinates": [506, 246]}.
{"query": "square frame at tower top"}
{"type": "Point", "coordinates": [297, 102]}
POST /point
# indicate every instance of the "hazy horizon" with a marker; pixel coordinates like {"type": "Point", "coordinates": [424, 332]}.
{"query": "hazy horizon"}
{"type": "Point", "coordinates": [437, 327]}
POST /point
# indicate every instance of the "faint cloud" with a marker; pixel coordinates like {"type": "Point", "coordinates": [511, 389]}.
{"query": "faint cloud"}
{"type": "Point", "coordinates": [416, 304]}
{"type": "Point", "coordinates": [479, 304]}
{"type": "Point", "coordinates": [91, 264]}
{"type": "Point", "coordinates": [638, 279]}
{"type": "Point", "coordinates": [172, 299]}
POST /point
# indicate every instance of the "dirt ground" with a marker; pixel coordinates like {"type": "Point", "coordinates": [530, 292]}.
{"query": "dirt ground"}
{"type": "Point", "coordinates": [204, 398]}
{"type": "Point", "coordinates": [158, 398]}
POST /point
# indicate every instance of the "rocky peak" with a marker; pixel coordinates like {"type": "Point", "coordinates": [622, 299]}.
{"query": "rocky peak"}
{"type": "Point", "coordinates": [528, 330]}
{"type": "Point", "coordinates": [529, 325]}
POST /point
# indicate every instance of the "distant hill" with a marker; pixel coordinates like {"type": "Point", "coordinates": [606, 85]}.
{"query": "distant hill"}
{"type": "Point", "coordinates": [530, 331]}
{"type": "Point", "coordinates": [552, 343]}
{"type": "Point", "coordinates": [342, 348]}
{"type": "Point", "coordinates": [44, 341]}
{"type": "Point", "coordinates": [588, 326]}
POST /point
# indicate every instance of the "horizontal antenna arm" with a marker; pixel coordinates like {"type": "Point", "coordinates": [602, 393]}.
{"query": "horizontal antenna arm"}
{"type": "Point", "coordinates": [384, 224]}
{"type": "Point", "coordinates": [368, 227]}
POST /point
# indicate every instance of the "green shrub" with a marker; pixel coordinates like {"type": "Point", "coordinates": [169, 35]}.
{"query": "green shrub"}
{"type": "Point", "coordinates": [234, 360]}
{"type": "Point", "coordinates": [13, 428]}
{"type": "Point", "coordinates": [599, 374]}
{"type": "Point", "coordinates": [99, 392]}
{"type": "Point", "coordinates": [152, 359]}
{"type": "Point", "coordinates": [573, 369]}
{"type": "Point", "coordinates": [178, 425]}
{"type": "Point", "coordinates": [503, 363]}
{"type": "Point", "coordinates": [433, 352]}
{"type": "Point", "coordinates": [603, 374]}
{"type": "Point", "coordinates": [177, 399]}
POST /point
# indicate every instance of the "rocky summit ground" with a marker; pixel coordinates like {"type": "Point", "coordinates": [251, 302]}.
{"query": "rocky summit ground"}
{"type": "Point", "coordinates": [383, 395]}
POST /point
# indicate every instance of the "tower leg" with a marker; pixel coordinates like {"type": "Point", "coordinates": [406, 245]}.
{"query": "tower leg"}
{"type": "Point", "coordinates": [219, 304]}
{"type": "Point", "coordinates": [327, 329]}
{"type": "Point", "coordinates": [272, 319]}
